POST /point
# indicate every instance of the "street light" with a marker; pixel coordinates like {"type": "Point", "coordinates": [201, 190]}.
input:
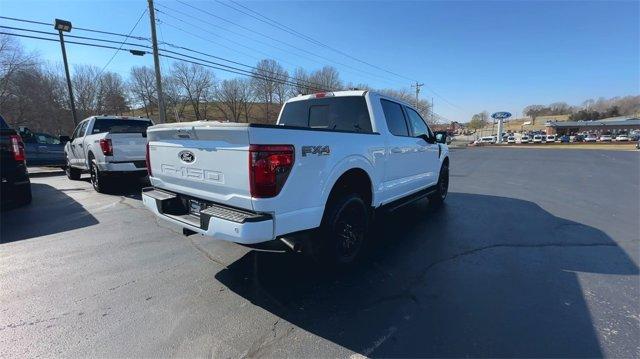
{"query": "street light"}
{"type": "Point", "coordinates": [137, 52]}
{"type": "Point", "coordinates": [62, 25]}
{"type": "Point", "coordinates": [65, 26]}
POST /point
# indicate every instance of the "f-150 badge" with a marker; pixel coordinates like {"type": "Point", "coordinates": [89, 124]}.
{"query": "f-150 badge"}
{"type": "Point", "coordinates": [316, 150]}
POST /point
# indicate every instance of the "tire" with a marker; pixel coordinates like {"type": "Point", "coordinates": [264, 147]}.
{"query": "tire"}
{"type": "Point", "coordinates": [442, 188]}
{"type": "Point", "coordinates": [343, 234]}
{"type": "Point", "coordinates": [97, 178]}
{"type": "Point", "coordinates": [72, 173]}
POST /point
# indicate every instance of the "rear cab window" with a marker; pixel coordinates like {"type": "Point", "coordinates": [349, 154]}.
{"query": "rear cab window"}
{"type": "Point", "coordinates": [116, 125]}
{"type": "Point", "coordinates": [343, 113]}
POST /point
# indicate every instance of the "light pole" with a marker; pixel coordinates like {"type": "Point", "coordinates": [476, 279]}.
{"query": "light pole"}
{"type": "Point", "coordinates": [63, 25]}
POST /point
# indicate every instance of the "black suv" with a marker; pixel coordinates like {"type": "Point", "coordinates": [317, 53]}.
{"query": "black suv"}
{"type": "Point", "coordinates": [16, 187]}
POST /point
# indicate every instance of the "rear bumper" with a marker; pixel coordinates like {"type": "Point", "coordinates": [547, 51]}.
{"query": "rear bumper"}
{"type": "Point", "coordinates": [126, 166]}
{"type": "Point", "coordinates": [217, 221]}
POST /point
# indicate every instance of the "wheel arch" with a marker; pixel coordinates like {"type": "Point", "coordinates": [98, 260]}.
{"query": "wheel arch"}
{"type": "Point", "coordinates": [353, 180]}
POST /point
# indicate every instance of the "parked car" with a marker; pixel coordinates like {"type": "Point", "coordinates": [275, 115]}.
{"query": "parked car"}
{"type": "Point", "coordinates": [511, 139]}
{"type": "Point", "coordinates": [592, 137]}
{"type": "Point", "coordinates": [605, 138]}
{"type": "Point", "coordinates": [565, 139]}
{"type": "Point", "coordinates": [576, 138]}
{"type": "Point", "coordinates": [623, 137]}
{"type": "Point", "coordinates": [107, 146]}
{"type": "Point", "coordinates": [42, 149]}
{"type": "Point", "coordinates": [488, 139]}
{"type": "Point", "coordinates": [551, 138]}
{"type": "Point", "coordinates": [16, 187]}
{"type": "Point", "coordinates": [310, 182]}
{"type": "Point", "coordinates": [538, 139]}
{"type": "Point", "coordinates": [524, 139]}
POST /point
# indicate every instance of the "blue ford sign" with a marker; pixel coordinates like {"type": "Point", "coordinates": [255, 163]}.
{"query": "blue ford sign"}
{"type": "Point", "coordinates": [501, 115]}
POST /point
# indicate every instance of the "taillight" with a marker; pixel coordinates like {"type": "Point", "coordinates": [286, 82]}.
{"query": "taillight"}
{"type": "Point", "coordinates": [148, 161]}
{"type": "Point", "coordinates": [17, 147]}
{"type": "Point", "coordinates": [269, 167]}
{"type": "Point", "coordinates": [106, 146]}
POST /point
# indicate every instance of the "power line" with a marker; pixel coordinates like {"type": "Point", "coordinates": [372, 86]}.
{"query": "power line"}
{"type": "Point", "coordinates": [279, 25]}
{"type": "Point", "coordinates": [314, 59]}
{"type": "Point", "coordinates": [73, 36]}
{"type": "Point", "coordinates": [294, 32]}
{"type": "Point", "coordinates": [122, 44]}
{"type": "Point", "coordinates": [316, 85]}
{"type": "Point", "coordinates": [239, 71]}
{"type": "Point", "coordinates": [220, 67]}
{"type": "Point", "coordinates": [75, 28]}
{"type": "Point", "coordinates": [278, 40]}
{"type": "Point", "coordinates": [71, 42]}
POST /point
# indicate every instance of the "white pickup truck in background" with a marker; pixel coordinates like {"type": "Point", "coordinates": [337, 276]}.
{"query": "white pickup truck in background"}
{"type": "Point", "coordinates": [107, 146]}
{"type": "Point", "coordinates": [312, 181]}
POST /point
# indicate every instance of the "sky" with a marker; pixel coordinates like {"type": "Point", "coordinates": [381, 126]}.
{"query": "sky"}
{"type": "Point", "coordinates": [471, 55]}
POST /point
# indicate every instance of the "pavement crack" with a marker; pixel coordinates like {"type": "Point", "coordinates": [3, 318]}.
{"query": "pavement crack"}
{"type": "Point", "coordinates": [207, 255]}
{"type": "Point", "coordinates": [407, 293]}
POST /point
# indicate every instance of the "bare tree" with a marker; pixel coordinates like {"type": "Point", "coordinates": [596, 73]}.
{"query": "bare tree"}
{"type": "Point", "coordinates": [325, 79]}
{"type": "Point", "coordinates": [143, 88]}
{"type": "Point", "coordinates": [12, 59]}
{"type": "Point", "coordinates": [247, 98]}
{"type": "Point", "coordinates": [267, 75]}
{"type": "Point", "coordinates": [112, 94]}
{"type": "Point", "coordinates": [196, 82]}
{"type": "Point", "coordinates": [229, 99]}
{"type": "Point", "coordinates": [300, 79]}
{"type": "Point", "coordinates": [86, 89]}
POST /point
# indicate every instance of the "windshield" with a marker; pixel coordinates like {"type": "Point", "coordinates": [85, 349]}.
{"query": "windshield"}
{"type": "Point", "coordinates": [115, 125]}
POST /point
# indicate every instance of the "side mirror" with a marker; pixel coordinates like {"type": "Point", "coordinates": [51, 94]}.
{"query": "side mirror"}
{"type": "Point", "coordinates": [441, 136]}
{"type": "Point", "coordinates": [64, 139]}
{"type": "Point", "coordinates": [426, 138]}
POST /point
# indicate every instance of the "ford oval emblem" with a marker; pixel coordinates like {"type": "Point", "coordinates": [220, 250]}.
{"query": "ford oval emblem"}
{"type": "Point", "coordinates": [501, 115]}
{"type": "Point", "coordinates": [187, 156]}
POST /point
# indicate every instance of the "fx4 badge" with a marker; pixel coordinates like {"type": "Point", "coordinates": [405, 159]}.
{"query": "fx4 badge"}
{"type": "Point", "coordinates": [316, 150]}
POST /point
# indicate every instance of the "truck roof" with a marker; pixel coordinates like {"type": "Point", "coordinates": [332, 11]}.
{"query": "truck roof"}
{"type": "Point", "coordinates": [118, 117]}
{"type": "Point", "coordinates": [328, 94]}
{"type": "Point", "coordinates": [348, 93]}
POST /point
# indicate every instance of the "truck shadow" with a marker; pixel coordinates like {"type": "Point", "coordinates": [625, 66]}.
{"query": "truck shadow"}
{"type": "Point", "coordinates": [42, 217]}
{"type": "Point", "coordinates": [483, 276]}
{"type": "Point", "coordinates": [128, 186]}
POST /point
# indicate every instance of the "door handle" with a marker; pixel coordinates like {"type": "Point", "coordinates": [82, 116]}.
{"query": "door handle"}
{"type": "Point", "coordinates": [396, 150]}
{"type": "Point", "coordinates": [80, 144]}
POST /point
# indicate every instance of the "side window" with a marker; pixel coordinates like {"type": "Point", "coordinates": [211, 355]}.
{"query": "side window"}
{"type": "Point", "coordinates": [83, 127]}
{"type": "Point", "coordinates": [75, 132]}
{"type": "Point", "coordinates": [395, 118]}
{"type": "Point", "coordinates": [418, 126]}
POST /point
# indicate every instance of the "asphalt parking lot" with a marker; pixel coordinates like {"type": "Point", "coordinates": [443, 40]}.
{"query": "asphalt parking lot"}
{"type": "Point", "coordinates": [535, 254]}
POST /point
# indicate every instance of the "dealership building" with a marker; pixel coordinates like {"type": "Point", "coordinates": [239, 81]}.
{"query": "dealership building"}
{"type": "Point", "coordinates": [613, 125]}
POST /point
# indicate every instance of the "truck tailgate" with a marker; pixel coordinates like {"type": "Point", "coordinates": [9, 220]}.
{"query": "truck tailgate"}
{"type": "Point", "coordinates": [205, 161]}
{"type": "Point", "coordinates": [127, 146]}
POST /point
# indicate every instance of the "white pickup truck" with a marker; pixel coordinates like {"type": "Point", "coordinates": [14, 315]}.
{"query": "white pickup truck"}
{"type": "Point", "coordinates": [312, 181]}
{"type": "Point", "coordinates": [107, 146]}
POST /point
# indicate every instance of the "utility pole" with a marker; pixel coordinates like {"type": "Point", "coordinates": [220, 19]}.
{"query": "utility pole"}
{"type": "Point", "coordinates": [417, 86]}
{"type": "Point", "coordinates": [156, 61]}
{"type": "Point", "coordinates": [433, 114]}
{"type": "Point", "coordinates": [62, 25]}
